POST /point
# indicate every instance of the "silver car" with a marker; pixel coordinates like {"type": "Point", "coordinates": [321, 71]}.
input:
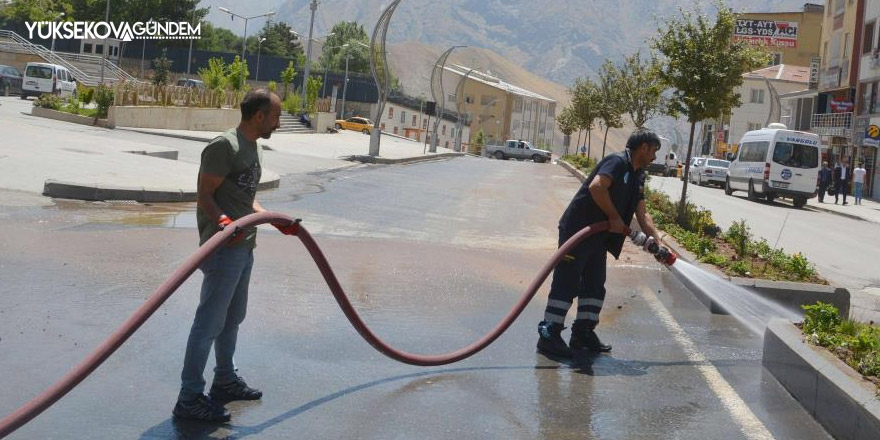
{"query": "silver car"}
{"type": "Point", "coordinates": [706, 171]}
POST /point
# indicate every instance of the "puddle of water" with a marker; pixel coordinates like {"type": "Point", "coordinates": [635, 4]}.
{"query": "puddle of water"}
{"type": "Point", "coordinates": [753, 310]}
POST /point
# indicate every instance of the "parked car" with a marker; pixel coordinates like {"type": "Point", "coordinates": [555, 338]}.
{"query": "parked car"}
{"type": "Point", "coordinates": [10, 80]}
{"type": "Point", "coordinates": [695, 162]}
{"type": "Point", "coordinates": [663, 165]}
{"type": "Point", "coordinates": [776, 162]}
{"type": "Point", "coordinates": [517, 150]}
{"type": "Point", "coordinates": [194, 83]}
{"type": "Point", "coordinates": [710, 171]}
{"type": "Point", "coordinates": [42, 78]}
{"type": "Point", "coordinates": [355, 123]}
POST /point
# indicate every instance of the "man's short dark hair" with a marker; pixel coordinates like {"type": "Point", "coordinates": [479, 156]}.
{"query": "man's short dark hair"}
{"type": "Point", "coordinates": [254, 101]}
{"type": "Point", "coordinates": [642, 136]}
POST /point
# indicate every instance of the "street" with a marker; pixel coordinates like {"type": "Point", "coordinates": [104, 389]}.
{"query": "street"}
{"type": "Point", "coordinates": [432, 256]}
{"type": "Point", "coordinates": [840, 247]}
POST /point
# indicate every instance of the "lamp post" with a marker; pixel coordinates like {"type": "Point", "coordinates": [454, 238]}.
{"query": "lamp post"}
{"type": "Point", "coordinates": [345, 85]}
{"type": "Point", "coordinates": [232, 16]}
{"type": "Point", "coordinates": [259, 50]}
{"type": "Point", "coordinates": [190, 57]}
{"type": "Point", "coordinates": [313, 7]}
{"type": "Point", "coordinates": [61, 14]}
{"type": "Point", "coordinates": [327, 69]}
{"type": "Point", "coordinates": [308, 61]}
{"type": "Point", "coordinates": [106, 19]}
{"type": "Point", "coordinates": [144, 49]}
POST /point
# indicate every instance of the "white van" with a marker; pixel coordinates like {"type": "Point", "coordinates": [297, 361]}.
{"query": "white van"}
{"type": "Point", "coordinates": [658, 166]}
{"type": "Point", "coordinates": [40, 78]}
{"type": "Point", "coordinates": [776, 162]}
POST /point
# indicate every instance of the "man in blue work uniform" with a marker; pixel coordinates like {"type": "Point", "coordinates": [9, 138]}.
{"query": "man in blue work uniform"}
{"type": "Point", "coordinates": [613, 192]}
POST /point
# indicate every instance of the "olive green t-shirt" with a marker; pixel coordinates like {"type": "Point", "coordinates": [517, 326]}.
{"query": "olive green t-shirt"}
{"type": "Point", "coordinates": [239, 160]}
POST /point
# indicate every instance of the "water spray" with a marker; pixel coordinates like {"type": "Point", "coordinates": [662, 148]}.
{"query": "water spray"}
{"type": "Point", "coordinates": [650, 245]}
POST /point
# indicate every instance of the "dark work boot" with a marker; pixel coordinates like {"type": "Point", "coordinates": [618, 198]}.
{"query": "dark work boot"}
{"type": "Point", "coordinates": [583, 337]}
{"type": "Point", "coordinates": [550, 341]}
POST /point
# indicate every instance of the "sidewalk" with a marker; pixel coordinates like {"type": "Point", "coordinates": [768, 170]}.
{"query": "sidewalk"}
{"type": "Point", "coordinates": [868, 211]}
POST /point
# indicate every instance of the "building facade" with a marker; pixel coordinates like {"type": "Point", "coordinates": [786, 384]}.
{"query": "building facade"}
{"type": "Point", "coordinates": [790, 37]}
{"type": "Point", "coordinates": [498, 109]}
{"type": "Point", "coordinates": [408, 118]}
{"type": "Point", "coordinates": [867, 108]}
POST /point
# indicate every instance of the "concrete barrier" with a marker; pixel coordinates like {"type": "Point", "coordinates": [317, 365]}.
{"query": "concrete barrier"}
{"type": "Point", "coordinates": [324, 121]}
{"type": "Point", "coordinates": [174, 118]}
{"type": "Point", "coordinates": [832, 392]}
{"type": "Point", "coordinates": [66, 117]}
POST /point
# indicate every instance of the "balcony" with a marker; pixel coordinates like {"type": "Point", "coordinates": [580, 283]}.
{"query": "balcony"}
{"type": "Point", "coordinates": [833, 124]}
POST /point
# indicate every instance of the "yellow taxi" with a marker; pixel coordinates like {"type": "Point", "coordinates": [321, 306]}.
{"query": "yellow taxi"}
{"type": "Point", "coordinates": [355, 123]}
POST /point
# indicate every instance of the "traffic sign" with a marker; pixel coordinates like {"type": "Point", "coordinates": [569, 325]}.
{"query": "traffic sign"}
{"type": "Point", "coordinates": [873, 132]}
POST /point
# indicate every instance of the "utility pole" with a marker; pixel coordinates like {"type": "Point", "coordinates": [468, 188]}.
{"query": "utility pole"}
{"type": "Point", "coordinates": [103, 59]}
{"type": "Point", "coordinates": [313, 7]}
{"type": "Point", "coordinates": [190, 57]}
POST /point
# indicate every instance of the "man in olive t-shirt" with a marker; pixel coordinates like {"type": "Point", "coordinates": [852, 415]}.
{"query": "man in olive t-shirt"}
{"type": "Point", "coordinates": [227, 186]}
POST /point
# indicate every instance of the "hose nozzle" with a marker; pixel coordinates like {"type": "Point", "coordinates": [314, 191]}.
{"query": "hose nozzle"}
{"type": "Point", "coordinates": [660, 253]}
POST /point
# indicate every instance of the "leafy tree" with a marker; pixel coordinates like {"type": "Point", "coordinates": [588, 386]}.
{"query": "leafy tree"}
{"type": "Point", "coordinates": [704, 66]}
{"type": "Point", "coordinates": [313, 86]}
{"type": "Point", "coordinates": [640, 88]}
{"type": "Point", "coordinates": [610, 107]}
{"type": "Point", "coordinates": [214, 76]}
{"type": "Point", "coordinates": [279, 42]}
{"type": "Point", "coordinates": [217, 39]}
{"type": "Point", "coordinates": [287, 76]}
{"type": "Point", "coordinates": [585, 105]}
{"type": "Point", "coordinates": [161, 68]}
{"type": "Point", "coordinates": [567, 123]}
{"type": "Point", "coordinates": [237, 73]}
{"type": "Point", "coordinates": [20, 11]}
{"type": "Point", "coordinates": [333, 54]}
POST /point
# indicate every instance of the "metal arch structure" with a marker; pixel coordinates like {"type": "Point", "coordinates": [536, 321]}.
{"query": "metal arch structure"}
{"type": "Point", "coordinates": [459, 92]}
{"type": "Point", "coordinates": [381, 71]}
{"type": "Point", "coordinates": [775, 104]}
{"type": "Point", "coordinates": [437, 93]}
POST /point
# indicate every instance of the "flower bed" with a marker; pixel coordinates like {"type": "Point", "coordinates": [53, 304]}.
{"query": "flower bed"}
{"type": "Point", "coordinates": [855, 343]}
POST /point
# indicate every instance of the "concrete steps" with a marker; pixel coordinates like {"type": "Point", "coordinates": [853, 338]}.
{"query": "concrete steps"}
{"type": "Point", "coordinates": [291, 124]}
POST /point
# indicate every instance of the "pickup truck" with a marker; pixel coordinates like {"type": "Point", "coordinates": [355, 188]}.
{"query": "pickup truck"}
{"type": "Point", "coordinates": [517, 150]}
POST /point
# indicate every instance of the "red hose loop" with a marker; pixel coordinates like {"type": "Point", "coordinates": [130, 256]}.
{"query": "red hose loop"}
{"type": "Point", "coordinates": [82, 370]}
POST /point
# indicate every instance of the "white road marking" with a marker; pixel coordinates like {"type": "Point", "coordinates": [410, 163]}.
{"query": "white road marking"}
{"type": "Point", "coordinates": [748, 423]}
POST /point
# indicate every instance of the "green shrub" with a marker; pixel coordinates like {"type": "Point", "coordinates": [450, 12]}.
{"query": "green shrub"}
{"type": "Point", "coordinates": [821, 317]}
{"type": "Point", "coordinates": [104, 99]}
{"type": "Point", "coordinates": [273, 86]}
{"type": "Point", "coordinates": [741, 268]}
{"type": "Point", "coordinates": [292, 104]}
{"type": "Point", "coordinates": [49, 101]}
{"type": "Point", "coordinates": [739, 235]}
{"type": "Point", "coordinates": [714, 258]}
{"type": "Point", "coordinates": [72, 106]}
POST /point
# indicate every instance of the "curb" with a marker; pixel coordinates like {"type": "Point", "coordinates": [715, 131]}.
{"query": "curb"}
{"type": "Point", "coordinates": [68, 190]}
{"type": "Point", "coordinates": [833, 393]}
{"type": "Point", "coordinates": [171, 135]}
{"type": "Point", "coordinates": [571, 169]}
{"type": "Point", "coordinates": [842, 214]}
{"type": "Point", "coordinates": [405, 160]}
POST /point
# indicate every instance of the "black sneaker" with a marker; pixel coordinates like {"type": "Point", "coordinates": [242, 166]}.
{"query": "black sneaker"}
{"type": "Point", "coordinates": [585, 338]}
{"type": "Point", "coordinates": [202, 408]}
{"type": "Point", "coordinates": [550, 341]}
{"type": "Point", "coordinates": [236, 390]}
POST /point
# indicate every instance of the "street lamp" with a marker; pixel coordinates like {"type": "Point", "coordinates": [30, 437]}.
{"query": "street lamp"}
{"type": "Point", "coordinates": [144, 49]}
{"type": "Point", "coordinates": [259, 50]}
{"type": "Point", "coordinates": [309, 56]}
{"type": "Point", "coordinates": [61, 14]}
{"type": "Point", "coordinates": [345, 86]}
{"type": "Point", "coordinates": [327, 69]}
{"type": "Point", "coordinates": [232, 16]}
{"type": "Point", "coordinates": [190, 57]}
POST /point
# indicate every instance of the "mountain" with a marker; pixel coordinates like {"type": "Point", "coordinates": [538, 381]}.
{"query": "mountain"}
{"type": "Point", "coordinates": [542, 45]}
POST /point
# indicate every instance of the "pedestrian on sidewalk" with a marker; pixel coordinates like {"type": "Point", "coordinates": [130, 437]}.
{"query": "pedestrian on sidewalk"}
{"type": "Point", "coordinates": [841, 180]}
{"type": "Point", "coordinates": [613, 192]}
{"type": "Point", "coordinates": [824, 181]}
{"type": "Point", "coordinates": [230, 171]}
{"type": "Point", "coordinates": [859, 181]}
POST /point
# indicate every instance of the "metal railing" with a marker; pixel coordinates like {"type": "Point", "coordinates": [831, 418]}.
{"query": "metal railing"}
{"type": "Point", "coordinates": [15, 43]}
{"type": "Point", "coordinates": [832, 124]}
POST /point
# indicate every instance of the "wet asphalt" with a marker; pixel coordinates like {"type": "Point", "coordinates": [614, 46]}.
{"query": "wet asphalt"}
{"type": "Point", "coordinates": [432, 255]}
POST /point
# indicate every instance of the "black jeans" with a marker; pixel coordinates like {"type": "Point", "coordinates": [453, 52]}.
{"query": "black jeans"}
{"type": "Point", "coordinates": [580, 274]}
{"type": "Point", "coordinates": [842, 187]}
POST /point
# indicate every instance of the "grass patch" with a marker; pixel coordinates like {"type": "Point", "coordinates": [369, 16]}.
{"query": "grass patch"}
{"type": "Point", "coordinates": [855, 343]}
{"type": "Point", "coordinates": [582, 163]}
{"type": "Point", "coordinates": [735, 252]}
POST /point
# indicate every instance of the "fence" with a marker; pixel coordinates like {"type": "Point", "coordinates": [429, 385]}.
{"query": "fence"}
{"type": "Point", "coordinates": [128, 93]}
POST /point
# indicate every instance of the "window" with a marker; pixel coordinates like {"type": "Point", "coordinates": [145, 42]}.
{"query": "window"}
{"type": "Point", "coordinates": [99, 48]}
{"type": "Point", "coordinates": [414, 121]}
{"type": "Point", "coordinates": [469, 99]}
{"type": "Point", "coordinates": [796, 155]}
{"type": "Point", "coordinates": [753, 151]}
{"type": "Point", "coordinates": [395, 130]}
{"type": "Point", "coordinates": [868, 40]}
{"type": "Point", "coordinates": [452, 132]}
{"type": "Point", "coordinates": [444, 130]}
{"type": "Point", "coordinates": [390, 112]}
{"type": "Point", "coordinates": [87, 48]}
{"type": "Point", "coordinates": [403, 117]}
{"type": "Point", "coordinates": [447, 144]}
{"type": "Point", "coordinates": [425, 124]}
{"type": "Point", "coordinates": [382, 126]}
{"type": "Point", "coordinates": [757, 96]}
{"type": "Point", "coordinates": [846, 45]}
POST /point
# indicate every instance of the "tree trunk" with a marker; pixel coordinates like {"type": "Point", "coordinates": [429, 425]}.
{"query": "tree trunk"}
{"type": "Point", "coordinates": [687, 167]}
{"type": "Point", "coordinates": [589, 142]}
{"type": "Point", "coordinates": [577, 146]}
{"type": "Point", "coordinates": [604, 142]}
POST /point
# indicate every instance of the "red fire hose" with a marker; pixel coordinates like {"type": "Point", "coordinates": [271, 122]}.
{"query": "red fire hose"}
{"type": "Point", "coordinates": [51, 395]}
